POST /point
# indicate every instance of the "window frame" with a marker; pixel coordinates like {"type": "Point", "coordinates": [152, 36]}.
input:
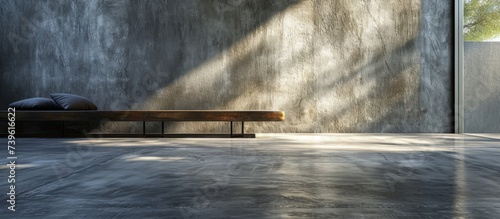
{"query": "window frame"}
{"type": "Point", "coordinates": [459, 67]}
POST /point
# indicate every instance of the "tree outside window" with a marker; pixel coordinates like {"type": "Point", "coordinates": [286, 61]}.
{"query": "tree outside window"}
{"type": "Point", "coordinates": [481, 20]}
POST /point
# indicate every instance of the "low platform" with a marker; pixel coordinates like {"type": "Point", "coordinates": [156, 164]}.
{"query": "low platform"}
{"type": "Point", "coordinates": [144, 116]}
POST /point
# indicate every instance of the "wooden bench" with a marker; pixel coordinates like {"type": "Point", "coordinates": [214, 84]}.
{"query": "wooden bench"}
{"type": "Point", "coordinates": [150, 115]}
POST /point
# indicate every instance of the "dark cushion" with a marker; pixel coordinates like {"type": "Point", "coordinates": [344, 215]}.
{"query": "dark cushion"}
{"type": "Point", "coordinates": [73, 102]}
{"type": "Point", "coordinates": [36, 103]}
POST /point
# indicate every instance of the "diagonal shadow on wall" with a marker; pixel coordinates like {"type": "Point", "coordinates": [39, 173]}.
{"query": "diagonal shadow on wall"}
{"type": "Point", "coordinates": [123, 49]}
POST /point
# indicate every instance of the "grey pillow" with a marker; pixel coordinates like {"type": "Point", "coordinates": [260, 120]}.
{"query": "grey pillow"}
{"type": "Point", "coordinates": [36, 103]}
{"type": "Point", "coordinates": [73, 102]}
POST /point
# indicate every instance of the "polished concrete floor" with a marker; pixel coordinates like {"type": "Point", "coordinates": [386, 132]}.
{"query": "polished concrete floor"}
{"type": "Point", "coordinates": [271, 176]}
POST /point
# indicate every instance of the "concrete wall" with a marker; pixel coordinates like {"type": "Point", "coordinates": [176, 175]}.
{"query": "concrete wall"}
{"type": "Point", "coordinates": [332, 66]}
{"type": "Point", "coordinates": [481, 87]}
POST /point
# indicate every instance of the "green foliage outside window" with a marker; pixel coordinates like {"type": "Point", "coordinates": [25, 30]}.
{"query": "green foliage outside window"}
{"type": "Point", "coordinates": [481, 20]}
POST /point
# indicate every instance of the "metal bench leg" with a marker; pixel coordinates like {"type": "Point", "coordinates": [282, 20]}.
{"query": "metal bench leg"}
{"type": "Point", "coordinates": [162, 129]}
{"type": "Point", "coordinates": [143, 128]}
{"type": "Point", "coordinates": [231, 125]}
{"type": "Point", "coordinates": [242, 129]}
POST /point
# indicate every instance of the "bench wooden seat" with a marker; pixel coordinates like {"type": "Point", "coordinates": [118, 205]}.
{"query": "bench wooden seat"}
{"type": "Point", "coordinates": [151, 115]}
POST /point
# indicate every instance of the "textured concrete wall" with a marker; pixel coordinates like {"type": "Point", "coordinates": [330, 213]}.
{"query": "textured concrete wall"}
{"type": "Point", "coordinates": [332, 66]}
{"type": "Point", "coordinates": [481, 87]}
